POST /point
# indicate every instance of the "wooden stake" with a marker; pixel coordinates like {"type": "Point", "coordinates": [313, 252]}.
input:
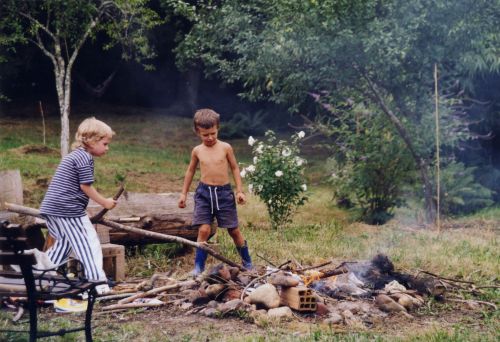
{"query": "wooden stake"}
{"type": "Point", "coordinates": [438, 180]}
{"type": "Point", "coordinates": [43, 121]}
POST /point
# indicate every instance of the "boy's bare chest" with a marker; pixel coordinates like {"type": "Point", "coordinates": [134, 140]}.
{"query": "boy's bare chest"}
{"type": "Point", "coordinates": [213, 159]}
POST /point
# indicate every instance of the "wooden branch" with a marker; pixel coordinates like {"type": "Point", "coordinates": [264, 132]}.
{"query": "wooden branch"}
{"type": "Point", "coordinates": [313, 267]}
{"type": "Point", "coordinates": [157, 290]}
{"type": "Point", "coordinates": [447, 279]}
{"type": "Point", "coordinates": [16, 208]}
{"type": "Point", "coordinates": [204, 246]}
{"type": "Point", "coordinates": [172, 238]}
{"type": "Point", "coordinates": [97, 217]}
{"type": "Point", "coordinates": [470, 301]}
{"type": "Point", "coordinates": [131, 306]}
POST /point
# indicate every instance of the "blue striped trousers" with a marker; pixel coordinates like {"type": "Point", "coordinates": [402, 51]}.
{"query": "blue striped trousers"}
{"type": "Point", "coordinates": [77, 235]}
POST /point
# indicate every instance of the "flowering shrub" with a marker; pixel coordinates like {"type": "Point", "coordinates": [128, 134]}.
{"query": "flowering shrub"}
{"type": "Point", "coordinates": [277, 176]}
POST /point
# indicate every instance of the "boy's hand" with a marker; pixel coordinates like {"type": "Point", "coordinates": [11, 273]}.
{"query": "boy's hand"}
{"type": "Point", "coordinates": [240, 197]}
{"type": "Point", "coordinates": [109, 203]}
{"type": "Point", "coordinates": [182, 201]}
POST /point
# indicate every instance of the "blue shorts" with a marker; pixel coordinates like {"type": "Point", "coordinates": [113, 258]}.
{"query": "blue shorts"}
{"type": "Point", "coordinates": [215, 201]}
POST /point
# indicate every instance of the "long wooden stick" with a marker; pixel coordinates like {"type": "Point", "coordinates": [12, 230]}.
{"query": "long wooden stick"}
{"type": "Point", "coordinates": [171, 238]}
{"type": "Point", "coordinates": [157, 290]}
{"type": "Point", "coordinates": [438, 180]}
{"type": "Point", "coordinates": [131, 306]}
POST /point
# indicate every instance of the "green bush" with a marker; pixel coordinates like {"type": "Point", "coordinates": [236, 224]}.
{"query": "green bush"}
{"type": "Point", "coordinates": [244, 124]}
{"type": "Point", "coordinates": [460, 193]}
{"type": "Point", "coordinates": [277, 176]}
{"type": "Point", "coordinates": [371, 170]}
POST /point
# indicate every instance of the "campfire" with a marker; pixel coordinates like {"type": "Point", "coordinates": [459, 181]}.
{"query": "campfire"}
{"type": "Point", "coordinates": [359, 292]}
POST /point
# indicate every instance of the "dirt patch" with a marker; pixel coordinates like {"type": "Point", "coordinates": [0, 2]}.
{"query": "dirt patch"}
{"type": "Point", "coordinates": [35, 149]}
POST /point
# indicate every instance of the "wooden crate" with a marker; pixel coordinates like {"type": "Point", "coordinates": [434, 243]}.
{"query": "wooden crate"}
{"type": "Point", "coordinates": [299, 298]}
{"type": "Point", "coordinates": [114, 261]}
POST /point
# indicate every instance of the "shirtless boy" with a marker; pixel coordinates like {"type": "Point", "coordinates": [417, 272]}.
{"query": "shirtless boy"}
{"type": "Point", "coordinates": [214, 196]}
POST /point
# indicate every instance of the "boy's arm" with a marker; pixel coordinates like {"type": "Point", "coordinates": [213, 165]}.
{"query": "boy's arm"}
{"type": "Point", "coordinates": [89, 190]}
{"type": "Point", "coordinates": [235, 169]}
{"type": "Point", "coordinates": [188, 178]}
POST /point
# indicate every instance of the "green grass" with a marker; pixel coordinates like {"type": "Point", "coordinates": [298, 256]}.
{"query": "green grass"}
{"type": "Point", "coordinates": [152, 152]}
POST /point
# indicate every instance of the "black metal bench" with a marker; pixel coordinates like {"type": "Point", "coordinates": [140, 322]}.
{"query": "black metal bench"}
{"type": "Point", "coordinates": [38, 285]}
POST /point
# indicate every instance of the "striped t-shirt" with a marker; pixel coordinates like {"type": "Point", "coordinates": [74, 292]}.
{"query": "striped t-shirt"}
{"type": "Point", "coordinates": [64, 197]}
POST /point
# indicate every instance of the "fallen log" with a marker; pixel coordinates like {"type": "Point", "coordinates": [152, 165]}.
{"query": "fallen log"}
{"type": "Point", "coordinates": [153, 212]}
{"type": "Point", "coordinates": [163, 237]}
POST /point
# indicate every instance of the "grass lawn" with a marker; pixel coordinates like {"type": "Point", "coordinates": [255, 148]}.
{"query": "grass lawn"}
{"type": "Point", "coordinates": [151, 151]}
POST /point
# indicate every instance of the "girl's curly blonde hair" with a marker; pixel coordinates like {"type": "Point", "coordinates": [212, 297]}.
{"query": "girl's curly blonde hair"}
{"type": "Point", "coordinates": [90, 131]}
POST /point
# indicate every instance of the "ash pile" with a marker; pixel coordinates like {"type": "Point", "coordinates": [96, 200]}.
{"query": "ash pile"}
{"type": "Point", "coordinates": [358, 293]}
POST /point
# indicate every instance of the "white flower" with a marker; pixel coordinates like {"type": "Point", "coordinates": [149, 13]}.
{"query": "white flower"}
{"type": "Point", "coordinates": [251, 141]}
{"type": "Point", "coordinates": [270, 201]}
{"type": "Point", "coordinates": [259, 148]}
{"type": "Point", "coordinates": [243, 173]}
{"type": "Point", "coordinates": [250, 188]}
{"type": "Point", "coordinates": [250, 168]}
{"type": "Point", "coordinates": [299, 161]}
{"type": "Point", "coordinates": [260, 187]}
{"type": "Point", "coordinates": [304, 187]}
{"type": "Point", "coordinates": [278, 173]}
{"type": "Point", "coordinates": [255, 160]}
{"type": "Point", "coordinates": [301, 134]}
{"type": "Point", "coordinates": [286, 152]}
{"type": "Point", "coordinates": [334, 175]}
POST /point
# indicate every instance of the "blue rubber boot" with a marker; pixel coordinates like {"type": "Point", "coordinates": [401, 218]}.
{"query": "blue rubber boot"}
{"type": "Point", "coordinates": [246, 260]}
{"type": "Point", "coordinates": [199, 262]}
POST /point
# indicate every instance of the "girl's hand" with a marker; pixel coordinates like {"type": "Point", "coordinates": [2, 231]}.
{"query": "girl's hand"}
{"type": "Point", "coordinates": [109, 203]}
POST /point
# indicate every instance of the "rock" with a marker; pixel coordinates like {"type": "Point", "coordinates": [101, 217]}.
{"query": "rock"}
{"type": "Point", "coordinates": [281, 312]}
{"type": "Point", "coordinates": [218, 274]}
{"type": "Point", "coordinates": [211, 312]}
{"type": "Point", "coordinates": [195, 297]}
{"type": "Point", "coordinates": [354, 307]}
{"type": "Point", "coordinates": [334, 318]}
{"type": "Point", "coordinates": [265, 295]}
{"type": "Point", "coordinates": [281, 279]}
{"type": "Point", "coordinates": [243, 279]}
{"type": "Point", "coordinates": [322, 309]}
{"type": "Point", "coordinates": [231, 294]}
{"type": "Point", "coordinates": [214, 290]}
{"type": "Point", "coordinates": [388, 304]}
{"type": "Point", "coordinates": [212, 304]}
{"type": "Point", "coordinates": [186, 306]}
{"type": "Point", "coordinates": [234, 271]}
{"type": "Point", "coordinates": [232, 305]}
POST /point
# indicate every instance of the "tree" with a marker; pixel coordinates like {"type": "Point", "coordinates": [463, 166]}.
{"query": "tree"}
{"type": "Point", "coordinates": [59, 28]}
{"type": "Point", "coordinates": [378, 52]}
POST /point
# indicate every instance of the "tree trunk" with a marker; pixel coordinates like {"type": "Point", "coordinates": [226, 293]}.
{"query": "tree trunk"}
{"type": "Point", "coordinates": [61, 77]}
{"type": "Point", "coordinates": [422, 164]}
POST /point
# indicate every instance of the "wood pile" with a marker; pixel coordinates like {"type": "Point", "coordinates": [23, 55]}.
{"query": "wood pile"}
{"type": "Point", "coordinates": [289, 292]}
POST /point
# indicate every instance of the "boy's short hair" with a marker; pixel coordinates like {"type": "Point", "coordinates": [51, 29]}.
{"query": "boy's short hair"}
{"type": "Point", "coordinates": [90, 131]}
{"type": "Point", "coordinates": [205, 118]}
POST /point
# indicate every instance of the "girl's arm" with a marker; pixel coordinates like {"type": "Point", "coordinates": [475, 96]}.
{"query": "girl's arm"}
{"type": "Point", "coordinates": [89, 190]}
